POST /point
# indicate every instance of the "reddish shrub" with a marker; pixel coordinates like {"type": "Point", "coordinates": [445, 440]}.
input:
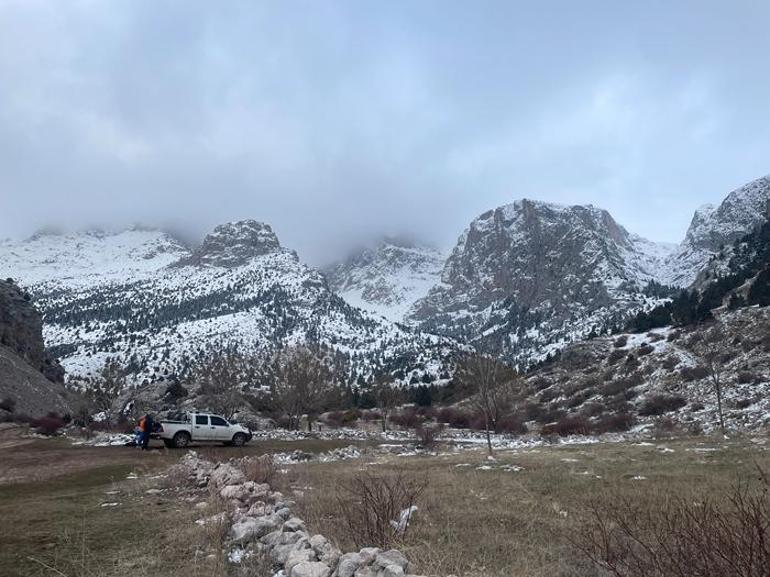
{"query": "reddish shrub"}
{"type": "Point", "coordinates": [48, 425]}
{"type": "Point", "coordinates": [454, 417]}
{"type": "Point", "coordinates": [408, 418]}
{"type": "Point", "coordinates": [568, 425]}
{"type": "Point", "coordinates": [513, 424]}
{"type": "Point", "coordinates": [614, 423]}
{"type": "Point", "coordinates": [660, 403]}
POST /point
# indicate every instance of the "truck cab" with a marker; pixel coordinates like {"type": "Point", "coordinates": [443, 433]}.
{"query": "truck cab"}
{"type": "Point", "coordinates": [181, 429]}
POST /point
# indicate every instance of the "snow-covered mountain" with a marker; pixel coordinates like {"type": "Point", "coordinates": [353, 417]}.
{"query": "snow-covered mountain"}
{"type": "Point", "coordinates": [528, 277]}
{"type": "Point", "coordinates": [142, 297]}
{"type": "Point", "coordinates": [714, 227]}
{"type": "Point", "coordinates": [388, 278]}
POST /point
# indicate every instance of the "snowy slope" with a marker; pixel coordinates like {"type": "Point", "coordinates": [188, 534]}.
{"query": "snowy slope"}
{"type": "Point", "coordinates": [387, 279]}
{"type": "Point", "coordinates": [714, 227]}
{"type": "Point", "coordinates": [141, 297]}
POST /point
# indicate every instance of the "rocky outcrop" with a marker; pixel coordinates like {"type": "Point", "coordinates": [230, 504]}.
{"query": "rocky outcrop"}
{"type": "Point", "coordinates": [28, 377]}
{"type": "Point", "coordinates": [21, 330]}
{"type": "Point", "coordinates": [531, 274]}
{"type": "Point", "coordinates": [234, 244]}
{"type": "Point", "coordinates": [714, 227]}
{"type": "Point", "coordinates": [262, 522]}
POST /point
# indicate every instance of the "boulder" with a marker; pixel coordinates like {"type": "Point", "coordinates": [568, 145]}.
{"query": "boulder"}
{"type": "Point", "coordinates": [225, 474]}
{"type": "Point", "coordinates": [298, 556]}
{"type": "Point", "coordinates": [391, 557]}
{"type": "Point", "coordinates": [310, 569]}
{"type": "Point", "coordinates": [294, 524]}
{"type": "Point", "coordinates": [249, 529]}
{"type": "Point", "coordinates": [348, 564]}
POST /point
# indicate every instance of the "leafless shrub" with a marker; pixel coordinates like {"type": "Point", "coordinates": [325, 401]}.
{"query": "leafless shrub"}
{"type": "Point", "coordinates": [661, 403]}
{"type": "Point", "coordinates": [260, 469]}
{"type": "Point", "coordinates": [621, 341]}
{"type": "Point", "coordinates": [746, 377]}
{"type": "Point", "coordinates": [427, 435]}
{"type": "Point", "coordinates": [679, 536]}
{"type": "Point", "coordinates": [614, 423]}
{"type": "Point", "coordinates": [670, 363]}
{"type": "Point", "coordinates": [615, 356]}
{"type": "Point", "coordinates": [371, 505]}
{"type": "Point", "coordinates": [655, 337]}
{"type": "Point", "coordinates": [645, 349]}
{"type": "Point", "coordinates": [568, 425]}
{"type": "Point", "coordinates": [696, 373]}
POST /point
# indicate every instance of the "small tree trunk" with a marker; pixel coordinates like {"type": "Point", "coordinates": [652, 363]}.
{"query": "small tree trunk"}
{"type": "Point", "coordinates": [489, 437]}
{"type": "Point", "coordinates": [384, 421]}
{"type": "Point", "coordinates": [719, 407]}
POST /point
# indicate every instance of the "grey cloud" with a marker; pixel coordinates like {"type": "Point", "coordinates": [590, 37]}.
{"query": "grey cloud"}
{"type": "Point", "coordinates": [341, 121]}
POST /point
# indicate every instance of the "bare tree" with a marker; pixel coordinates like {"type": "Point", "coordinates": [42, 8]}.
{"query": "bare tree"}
{"type": "Point", "coordinates": [493, 383]}
{"type": "Point", "coordinates": [302, 380]}
{"type": "Point", "coordinates": [715, 357]}
{"type": "Point", "coordinates": [387, 396]}
{"type": "Point", "coordinates": [101, 395]}
{"type": "Point", "coordinates": [219, 378]}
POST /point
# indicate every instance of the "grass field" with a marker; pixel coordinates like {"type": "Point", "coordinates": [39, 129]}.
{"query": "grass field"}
{"type": "Point", "coordinates": [477, 517]}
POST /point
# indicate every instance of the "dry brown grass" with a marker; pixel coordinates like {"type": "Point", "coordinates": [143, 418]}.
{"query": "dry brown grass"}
{"type": "Point", "coordinates": [499, 522]}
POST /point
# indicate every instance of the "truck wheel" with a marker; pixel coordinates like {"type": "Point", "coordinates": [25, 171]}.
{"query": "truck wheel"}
{"type": "Point", "coordinates": [181, 440]}
{"type": "Point", "coordinates": [169, 443]}
{"type": "Point", "coordinates": [239, 440]}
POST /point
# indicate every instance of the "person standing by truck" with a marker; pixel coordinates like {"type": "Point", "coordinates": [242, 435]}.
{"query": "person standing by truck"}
{"type": "Point", "coordinates": [146, 424]}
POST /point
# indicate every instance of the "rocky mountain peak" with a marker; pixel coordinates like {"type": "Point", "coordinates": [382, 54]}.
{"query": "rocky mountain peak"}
{"type": "Point", "coordinates": [234, 244]}
{"type": "Point", "coordinates": [713, 227]}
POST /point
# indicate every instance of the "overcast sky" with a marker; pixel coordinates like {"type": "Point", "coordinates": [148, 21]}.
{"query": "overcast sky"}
{"type": "Point", "coordinates": [339, 121]}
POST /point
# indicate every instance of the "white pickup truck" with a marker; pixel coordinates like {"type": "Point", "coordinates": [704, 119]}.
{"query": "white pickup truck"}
{"type": "Point", "coordinates": [181, 429]}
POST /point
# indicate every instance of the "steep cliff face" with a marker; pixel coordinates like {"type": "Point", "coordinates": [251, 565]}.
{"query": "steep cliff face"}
{"type": "Point", "coordinates": [527, 276]}
{"type": "Point", "coordinates": [715, 227]}
{"type": "Point", "coordinates": [28, 377]}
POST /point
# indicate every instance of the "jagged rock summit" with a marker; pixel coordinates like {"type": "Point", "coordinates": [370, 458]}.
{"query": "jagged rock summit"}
{"type": "Point", "coordinates": [234, 244]}
{"type": "Point", "coordinates": [530, 274]}
{"type": "Point", "coordinates": [713, 227]}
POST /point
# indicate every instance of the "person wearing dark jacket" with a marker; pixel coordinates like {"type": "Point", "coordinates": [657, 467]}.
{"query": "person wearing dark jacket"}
{"type": "Point", "coordinates": [147, 426]}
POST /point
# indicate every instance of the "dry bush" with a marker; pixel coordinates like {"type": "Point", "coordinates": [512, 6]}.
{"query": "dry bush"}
{"type": "Point", "coordinates": [670, 363]}
{"type": "Point", "coordinates": [615, 356]}
{"type": "Point", "coordinates": [260, 469]}
{"type": "Point", "coordinates": [679, 536]}
{"type": "Point", "coordinates": [746, 377]}
{"type": "Point", "coordinates": [408, 418]}
{"type": "Point", "coordinates": [696, 373]}
{"type": "Point", "coordinates": [655, 337]}
{"type": "Point", "coordinates": [661, 403]}
{"type": "Point", "coordinates": [456, 418]}
{"type": "Point", "coordinates": [645, 349]}
{"type": "Point", "coordinates": [614, 423]}
{"type": "Point", "coordinates": [370, 503]}
{"type": "Point", "coordinates": [48, 425]}
{"type": "Point", "coordinates": [621, 341]}
{"type": "Point", "coordinates": [427, 435]}
{"type": "Point", "coordinates": [568, 425]}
